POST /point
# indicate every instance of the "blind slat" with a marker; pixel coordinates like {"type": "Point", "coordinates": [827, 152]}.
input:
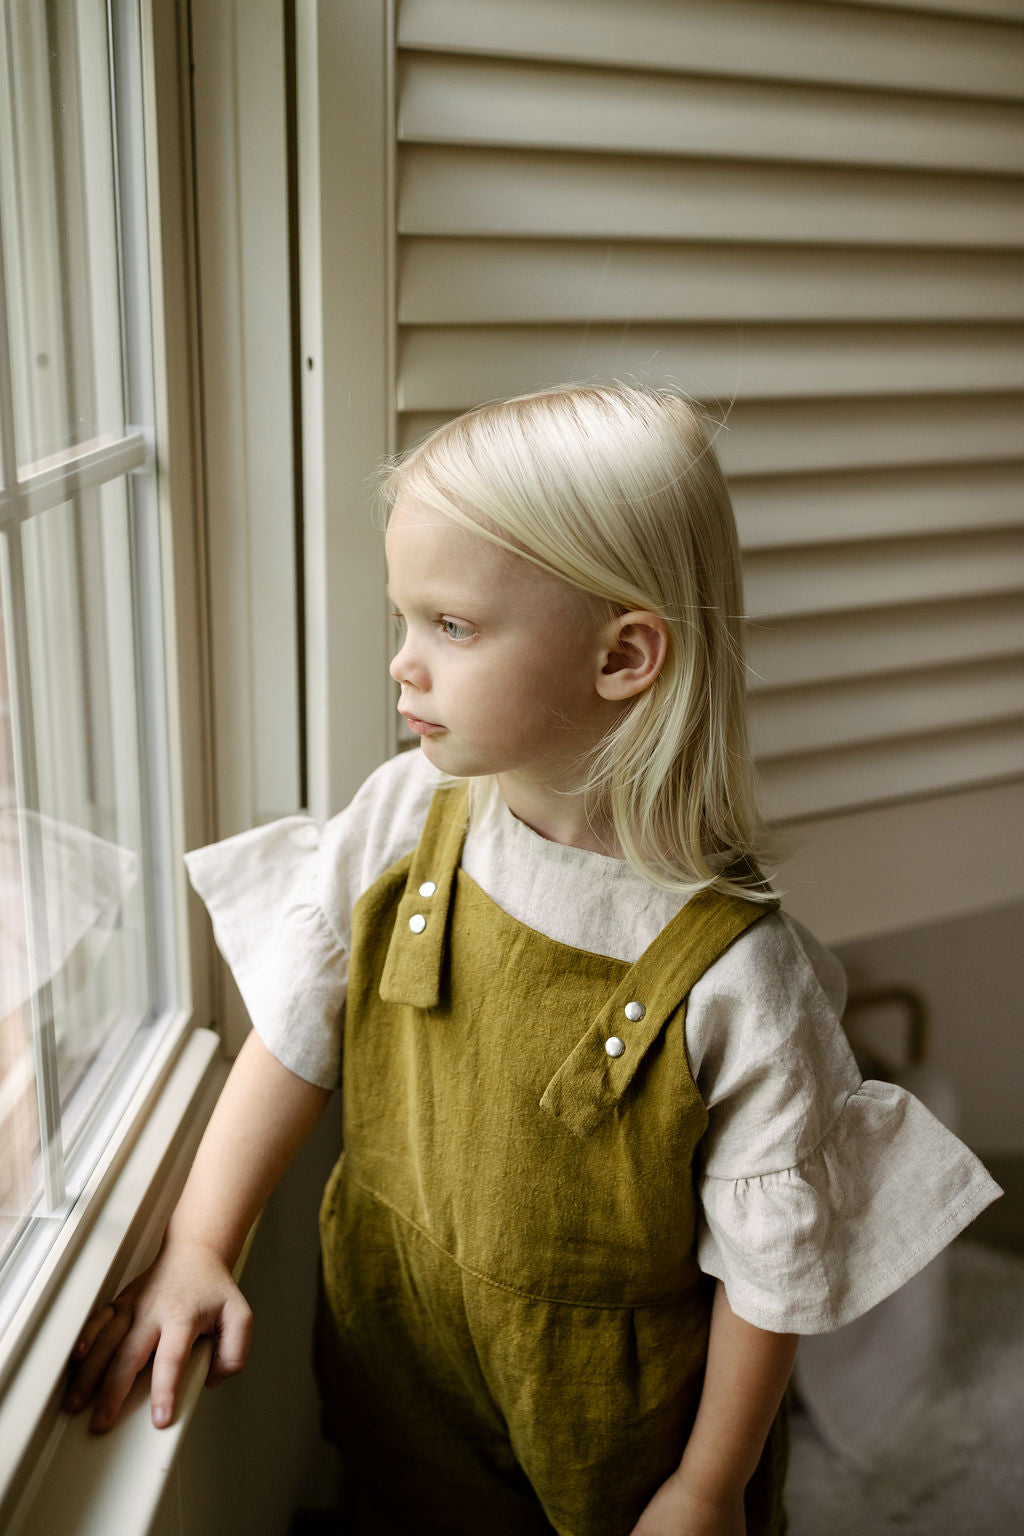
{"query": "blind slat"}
{"type": "Point", "coordinates": [997, 10]}
{"type": "Point", "coordinates": [743, 38]}
{"type": "Point", "coordinates": [447, 100]}
{"type": "Point", "coordinates": [791, 652]}
{"type": "Point", "coordinates": [804, 581]}
{"type": "Point", "coordinates": [823, 783]}
{"type": "Point", "coordinates": [885, 708]}
{"type": "Point", "coordinates": [772, 437]}
{"type": "Point", "coordinates": [457, 191]}
{"type": "Point", "coordinates": [779, 437]}
{"type": "Point", "coordinates": [814, 509]}
{"type": "Point", "coordinates": [454, 368]}
{"type": "Point", "coordinates": [490, 281]}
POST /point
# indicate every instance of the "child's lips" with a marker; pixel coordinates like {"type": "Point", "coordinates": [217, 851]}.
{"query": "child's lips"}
{"type": "Point", "coordinates": [421, 727]}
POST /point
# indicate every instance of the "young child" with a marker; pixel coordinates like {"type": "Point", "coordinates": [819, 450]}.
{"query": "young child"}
{"type": "Point", "coordinates": [606, 1150]}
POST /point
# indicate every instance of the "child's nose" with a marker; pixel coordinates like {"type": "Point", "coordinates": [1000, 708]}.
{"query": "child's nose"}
{"type": "Point", "coordinates": [404, 666]}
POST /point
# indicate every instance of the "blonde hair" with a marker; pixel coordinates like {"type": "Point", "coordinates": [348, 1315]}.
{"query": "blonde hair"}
{"type": "Point", "coordinates": [616, 491]}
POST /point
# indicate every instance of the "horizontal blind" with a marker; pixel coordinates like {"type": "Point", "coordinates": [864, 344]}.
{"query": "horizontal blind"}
{"type": "Point", "coordinates": [809, 216]}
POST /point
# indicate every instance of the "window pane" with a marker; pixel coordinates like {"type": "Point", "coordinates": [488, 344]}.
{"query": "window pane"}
{"type": "Point", "coordinates": [57, 189]}
{"type": "Point", "coordinates": [77, 876]}
{"type": "Point", "coordinates": [82, 652]}
{"type": "Point", "coordinates": [20, 1183]}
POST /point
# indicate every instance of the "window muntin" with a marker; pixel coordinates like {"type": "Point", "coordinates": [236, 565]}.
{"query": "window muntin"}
{"type": "Point", "coordinates": [85, 856]}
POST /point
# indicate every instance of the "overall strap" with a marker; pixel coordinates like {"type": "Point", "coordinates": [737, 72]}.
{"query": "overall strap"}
{"type": "Point", "coordinates": [412, 970]}
{"type": "Point", "coordinates": [593, 1078]}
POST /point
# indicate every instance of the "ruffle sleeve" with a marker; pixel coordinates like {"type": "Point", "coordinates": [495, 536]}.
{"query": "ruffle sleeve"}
{"type": "Point", "coordinates": [821, 1194]}
{"type": "Point", "coordinates": [264, 890]}
{"type": "Point", "coordinates": [808, 1248]}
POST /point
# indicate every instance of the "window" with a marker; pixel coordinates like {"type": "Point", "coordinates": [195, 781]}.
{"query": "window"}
{"type": "Point", "coordinates": [88, 933]}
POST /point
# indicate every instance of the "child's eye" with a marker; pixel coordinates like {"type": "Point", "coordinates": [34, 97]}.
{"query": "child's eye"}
{"type": "Point", "coordinates": [398, 619]}
{"type": "Point", "coordinates": [456, 630]}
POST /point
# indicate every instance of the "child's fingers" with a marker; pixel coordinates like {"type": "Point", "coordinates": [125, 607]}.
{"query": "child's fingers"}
{"type": "Point", "coordinates": [172, 1352]}
{"type": "Point", "coordinates": [234, 1336]}
{"type": "Point", "coordinates": [128, 1361]}
{"type": "Point", "coordinates": [88, 1334]}
{"type": "Point", "coordinates": [103, 1336]}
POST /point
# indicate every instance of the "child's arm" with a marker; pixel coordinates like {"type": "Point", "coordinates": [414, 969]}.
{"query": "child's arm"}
{"type": "Point", "coordinates": [746, 1375]}
{"type": "Point", "coordinates": [262, 1117]}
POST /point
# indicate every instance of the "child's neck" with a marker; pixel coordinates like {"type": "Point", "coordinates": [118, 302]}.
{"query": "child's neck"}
{"type": "Point", "coordinates": [559, 816]}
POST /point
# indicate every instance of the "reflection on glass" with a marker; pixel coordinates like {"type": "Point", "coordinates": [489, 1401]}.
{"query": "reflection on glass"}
{"type": "Point", "coordinates": [71, 833]}
{"type": "Point", "coordinates": [20, 1175]}
{"type": "Point", "coordinates": [57, 190]}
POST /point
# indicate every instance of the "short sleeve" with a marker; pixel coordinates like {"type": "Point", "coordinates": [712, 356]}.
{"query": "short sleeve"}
{"type": "Point", "coordinates": [265, 893]}
{"type": "Point", "coordinates": [821, 1193]}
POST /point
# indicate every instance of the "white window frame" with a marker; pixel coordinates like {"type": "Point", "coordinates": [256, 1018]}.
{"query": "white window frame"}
{"type": "Point", "coordinates": [347, 262]}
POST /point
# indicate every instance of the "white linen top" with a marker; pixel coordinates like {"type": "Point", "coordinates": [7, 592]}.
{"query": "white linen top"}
{"type": "Point", "coordinates": [820, 1194]}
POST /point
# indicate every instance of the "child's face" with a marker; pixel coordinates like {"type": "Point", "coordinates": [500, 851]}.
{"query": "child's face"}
{"type": "Point", "coordinates": [499, 661]}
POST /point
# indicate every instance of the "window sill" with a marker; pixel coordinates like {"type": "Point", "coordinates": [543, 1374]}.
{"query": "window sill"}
{"type": "Point", "coordinates": [49, 1459]}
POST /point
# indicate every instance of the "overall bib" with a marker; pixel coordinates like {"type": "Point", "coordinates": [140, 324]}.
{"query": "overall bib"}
{"type": "Point", "coordinates": [513, 1325]}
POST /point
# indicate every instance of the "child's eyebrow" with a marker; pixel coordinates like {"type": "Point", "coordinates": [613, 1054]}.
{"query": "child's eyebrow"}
{"type": "Point", "coordinates": [439, 602]}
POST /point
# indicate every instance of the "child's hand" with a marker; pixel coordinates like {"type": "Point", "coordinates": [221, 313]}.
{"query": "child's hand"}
{"type": "Point", "coordinates": [186, 1293]}
{"type": "Point", "coordinates": [677, 1510]}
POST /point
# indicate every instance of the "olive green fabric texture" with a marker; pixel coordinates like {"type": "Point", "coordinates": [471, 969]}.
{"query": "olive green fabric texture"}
{"type": "Point", "coordinates": [514, 1325]}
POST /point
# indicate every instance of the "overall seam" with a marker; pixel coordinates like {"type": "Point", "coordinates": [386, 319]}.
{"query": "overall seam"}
{"type": "Point", "coordinates": [502, 1285]}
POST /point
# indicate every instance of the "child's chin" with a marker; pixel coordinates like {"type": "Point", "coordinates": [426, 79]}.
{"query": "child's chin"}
{"type": "Point", "coordinates": [443, 754]}
{"type": "Point", "coordinates": [432, 748]}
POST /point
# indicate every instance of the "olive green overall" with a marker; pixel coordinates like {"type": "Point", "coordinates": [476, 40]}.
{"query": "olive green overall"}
{"type": "Point", "coordinates": [514, 1326]}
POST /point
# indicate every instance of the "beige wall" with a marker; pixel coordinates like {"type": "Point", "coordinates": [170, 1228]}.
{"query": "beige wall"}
{"type": "Point", "coordinates": [971, 973]}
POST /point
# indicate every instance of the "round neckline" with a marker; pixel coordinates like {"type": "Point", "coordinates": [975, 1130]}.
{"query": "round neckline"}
{"type": "Point", "coordinates": [560, 853]}
{"type": "Point", "coordinates": [569, 853]}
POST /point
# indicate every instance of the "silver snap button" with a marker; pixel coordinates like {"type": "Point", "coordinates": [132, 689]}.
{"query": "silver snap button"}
{"type": "Point", "coordinates": [417, 922]}
{"type": "Point", "coordinates": [428, 888]}
{"type": "Point", "coordinates": [635, 1011]}
{"type": "Point", "coordinates": [615, 1046]}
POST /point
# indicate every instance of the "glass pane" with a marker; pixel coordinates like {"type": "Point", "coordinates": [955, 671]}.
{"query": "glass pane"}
{"type": "Point", "coordinates": [73, 832]}
{"type": "Point", "coordinates": [58, 194]}
{"type": "Point", "coordinates": [20, 1176]}
{"type": "Point", "coordinates": [82, 647]}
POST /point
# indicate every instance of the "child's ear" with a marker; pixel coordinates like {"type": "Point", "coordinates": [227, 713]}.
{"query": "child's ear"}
{"type": "Point", "coordinates": [634, 652]}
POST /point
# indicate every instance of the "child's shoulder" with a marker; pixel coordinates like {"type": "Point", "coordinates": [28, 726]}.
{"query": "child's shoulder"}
{"type": "Point", "coordinates": [775, 988]}
{"type": "Point", "coordinates": [779, 952]}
